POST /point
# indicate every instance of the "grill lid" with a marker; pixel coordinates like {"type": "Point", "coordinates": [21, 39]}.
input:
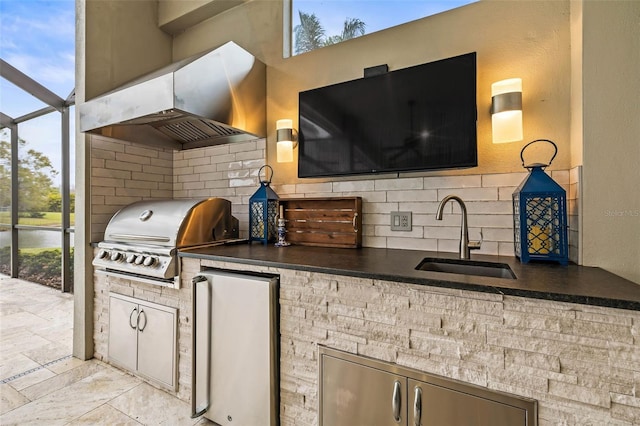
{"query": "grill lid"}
{"type": "Point", "coordinates": [173, 223]}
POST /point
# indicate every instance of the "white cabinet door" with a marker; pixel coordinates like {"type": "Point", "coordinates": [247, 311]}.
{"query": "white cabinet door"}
{"type": "Point", "coordinates": [123, 344]}
{"type": "Point", "coordinates": [156, 343]}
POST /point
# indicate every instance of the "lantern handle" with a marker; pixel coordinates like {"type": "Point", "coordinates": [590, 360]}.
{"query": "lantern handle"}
{"type": "Point", "coordinates": [265, 174]}
{"type": "Point", "coordinates": [539, 140]}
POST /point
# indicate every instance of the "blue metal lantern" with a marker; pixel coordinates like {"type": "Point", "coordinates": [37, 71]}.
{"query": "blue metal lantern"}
{"type": "Point", "coordinates": [540, 215]}
{"type": "Point", "coordinates": [263, 211]}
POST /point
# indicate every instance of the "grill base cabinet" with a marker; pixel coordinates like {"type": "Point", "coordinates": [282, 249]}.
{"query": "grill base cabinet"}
{"type": "Point", "coordinates": [142, 338]}
{"type": "Point", "coordinates": [358, 391]}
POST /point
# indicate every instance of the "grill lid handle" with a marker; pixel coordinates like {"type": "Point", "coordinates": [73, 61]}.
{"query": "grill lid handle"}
{"type": "Point", "coordinates": [134, 237]}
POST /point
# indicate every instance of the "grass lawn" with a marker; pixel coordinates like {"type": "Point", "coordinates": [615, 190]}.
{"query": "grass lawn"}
{"type": "Point", "coordinates": [35, 250]}
{"type": "Point", "coordinates": [49, 219]}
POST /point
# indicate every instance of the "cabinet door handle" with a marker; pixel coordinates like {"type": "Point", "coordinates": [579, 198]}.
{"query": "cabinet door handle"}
{"type": "Point", "coordinates": [417, 406]}
{"type": "Point", "coordinates": [130, 317]}
{"type": "Point", "coordinates": [145, 320]}
{"type": "Point", "coordinates": [396, 401]}
{"type": "Point", "coordinates": [199, 369]}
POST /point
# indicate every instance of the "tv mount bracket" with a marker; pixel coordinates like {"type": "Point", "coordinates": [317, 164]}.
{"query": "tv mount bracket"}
{"type": "Point", "coordinates": [377, 70]}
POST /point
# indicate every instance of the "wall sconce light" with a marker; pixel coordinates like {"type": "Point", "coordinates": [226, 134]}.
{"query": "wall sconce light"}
{"type": "Point", "coordinates": [286, 139]}
{"type": "Point", "coordinates": [506, 110]}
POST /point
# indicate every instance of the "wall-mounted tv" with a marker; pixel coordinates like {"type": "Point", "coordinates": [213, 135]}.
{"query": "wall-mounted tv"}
{"type": "Point", "coordinates": [417, 118]}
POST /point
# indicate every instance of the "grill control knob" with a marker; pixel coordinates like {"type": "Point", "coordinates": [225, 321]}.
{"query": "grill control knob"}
{"type": "Point", "coordinates": [102, 254]}
{"type": "Point", "coordinates": [149, 261]}
{"type": "Point", "coordinates": [139, 260]}
{"type": "Point", "coordinates": [131, 258]}
{"type": "Point", "coordinates": [115, 256]}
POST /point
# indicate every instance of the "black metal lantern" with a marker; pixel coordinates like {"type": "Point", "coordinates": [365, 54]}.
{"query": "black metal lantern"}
{"type": "Point", "coordinates": [540, 215]}
{"type": "Point", "coordinates": [263, 211]}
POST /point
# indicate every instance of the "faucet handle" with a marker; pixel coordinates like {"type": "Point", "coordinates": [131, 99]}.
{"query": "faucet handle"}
{"type": "Point", "coordinates": [475, 245]}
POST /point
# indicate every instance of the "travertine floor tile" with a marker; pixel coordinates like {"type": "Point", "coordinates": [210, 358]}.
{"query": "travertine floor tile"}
{"type": "Point", "coordinates": [104, 415]}
{"type": "Point", "coordinates": [15, 364]}
{"type": "Point", "coordinates": [66, 378]}
{"type": "Point", "coordinates": [48, 352]}
{"type": "Point", "coordinates": [151, 406]}
{"type": "Point", "coordinates": [22, 320]}
{"type": "Point", "coordinates": [65, 365]}
{"type": "Point", "coordinates": [10, 399]}
{"type": "Point", "coordinates": [31, 379]}
{"type": "Point", "coordinates": [59, 408]}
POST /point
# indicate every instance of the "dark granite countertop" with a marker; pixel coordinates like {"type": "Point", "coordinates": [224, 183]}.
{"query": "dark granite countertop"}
{"type": "Point", "coordinates": [572, 283]}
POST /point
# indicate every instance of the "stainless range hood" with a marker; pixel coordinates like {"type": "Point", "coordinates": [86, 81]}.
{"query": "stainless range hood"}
{"type": "Point", "coordinates": [212, 98]}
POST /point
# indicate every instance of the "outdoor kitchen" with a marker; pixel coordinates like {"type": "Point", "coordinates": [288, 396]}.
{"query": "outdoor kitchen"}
{"type": "Point", "coordinates": [169, 211]}
{"type": "Point", "coordinates": [506, 340]}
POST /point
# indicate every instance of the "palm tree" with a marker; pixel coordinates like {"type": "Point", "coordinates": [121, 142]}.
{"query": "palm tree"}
{"type": "Point", "coordinates": [353, 27]}
{"type": "Point", "coordinates": [310, 34]}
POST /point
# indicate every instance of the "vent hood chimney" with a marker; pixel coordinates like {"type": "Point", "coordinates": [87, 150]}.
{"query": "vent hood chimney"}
{"type": "Point", "coordinates": [213, 98]}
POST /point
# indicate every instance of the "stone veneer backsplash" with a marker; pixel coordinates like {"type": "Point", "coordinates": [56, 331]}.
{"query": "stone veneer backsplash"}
{"type": "Point", "coordinates": [123, 173]}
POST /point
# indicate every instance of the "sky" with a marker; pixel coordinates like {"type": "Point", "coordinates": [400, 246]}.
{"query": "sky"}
{"type": "Point", "coordinates": [38, 37]}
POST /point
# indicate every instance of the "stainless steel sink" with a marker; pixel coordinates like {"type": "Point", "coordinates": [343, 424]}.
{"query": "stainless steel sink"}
{"type": "Point", "coordinates": [467, 267]}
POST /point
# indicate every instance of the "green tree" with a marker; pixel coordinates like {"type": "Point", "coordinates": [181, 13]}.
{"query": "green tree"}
{"type": "Point", "coordinates": [310, 34]}
{"type": "Point", "coordinates": [353, 27]}
{"type": "Point", "coordinates": [35, 178]}
{"type": "Point", "coordinates": [54, 201]}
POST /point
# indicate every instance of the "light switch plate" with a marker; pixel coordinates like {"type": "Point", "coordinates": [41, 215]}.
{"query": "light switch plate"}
{"type": "Point", "coordinates": [401, 221]}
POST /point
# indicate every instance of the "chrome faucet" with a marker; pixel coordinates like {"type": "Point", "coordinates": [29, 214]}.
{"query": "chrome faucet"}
{"type": "Point", "coordinates": [465, 245]}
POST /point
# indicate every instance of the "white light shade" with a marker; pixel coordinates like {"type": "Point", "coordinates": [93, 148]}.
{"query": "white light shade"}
{"type": "Point", "coordinates": [506, 86]}
{"type": "Point", "coordinates": [285, 151]}
{"type": "Point", "coordinates": [285, 123]}
{"type": "Point", "coordinates": [507, 126]}
{"type": "Point", "coordinates": [506, 117]}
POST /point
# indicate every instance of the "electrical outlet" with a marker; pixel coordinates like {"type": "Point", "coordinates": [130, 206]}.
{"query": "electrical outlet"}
{"type": "Point", "coordinates": [401, 221]}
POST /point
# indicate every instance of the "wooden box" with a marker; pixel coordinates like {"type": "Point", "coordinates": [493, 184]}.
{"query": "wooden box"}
{"type": "Point", "coordinates": [324, 222]}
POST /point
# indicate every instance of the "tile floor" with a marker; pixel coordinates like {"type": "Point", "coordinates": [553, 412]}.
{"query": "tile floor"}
{"type": "Point", "coordinates": [42, 384]}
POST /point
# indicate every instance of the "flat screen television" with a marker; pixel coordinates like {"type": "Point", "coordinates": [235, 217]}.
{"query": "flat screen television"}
{"type": "Point", "coordinates": [417, 118]}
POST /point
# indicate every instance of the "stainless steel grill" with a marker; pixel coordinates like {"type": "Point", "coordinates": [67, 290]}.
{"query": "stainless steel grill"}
{"type": "Point", "coordinates": [141, 241]}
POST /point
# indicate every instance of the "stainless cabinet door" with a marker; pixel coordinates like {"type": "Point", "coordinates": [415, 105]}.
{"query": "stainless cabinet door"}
{"type": "Point", "coordinates": [156, 343]}
{"type": "Point", "coordinates": [432, 405]}
{"type": "Point", "coordinates": [242, 378]}
{"type": "Point", "coordinates": [123, 344]}
{"type": "Point", "coordinates": [355, 395]}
